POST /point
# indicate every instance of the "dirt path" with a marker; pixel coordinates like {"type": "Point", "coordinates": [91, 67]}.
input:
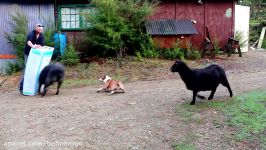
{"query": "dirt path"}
{"type": "Point", "coordinates": [143, 118]}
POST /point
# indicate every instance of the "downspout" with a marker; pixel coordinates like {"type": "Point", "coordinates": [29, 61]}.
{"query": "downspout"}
{"type": "Point", "coordinates": [175, 10]}
{"type": "Point", "coordinates": [55, 16]}
{"type": "Point", "coordinates": [39, 7]}
{"type": "Point", "coordinates": [204, 9]}
{"type": "Point", "coordinates": [233, 19]}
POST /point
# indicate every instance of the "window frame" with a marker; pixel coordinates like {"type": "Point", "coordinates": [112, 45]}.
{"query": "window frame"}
{"type": "Point", "coordinates": [81, 19]}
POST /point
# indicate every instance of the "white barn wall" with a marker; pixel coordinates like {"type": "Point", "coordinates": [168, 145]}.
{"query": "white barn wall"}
{"type": "Point", "coordinates": [242, 16]}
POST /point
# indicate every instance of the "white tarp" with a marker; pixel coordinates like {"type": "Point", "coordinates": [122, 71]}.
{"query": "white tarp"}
{"type": "Point", "coordinates": [37, 60]}
{"type": "Point", "coordinates": [242, 15]}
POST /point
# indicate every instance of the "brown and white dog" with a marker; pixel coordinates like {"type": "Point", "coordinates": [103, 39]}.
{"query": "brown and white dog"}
{"type": "Point", "coordinates": [111, 85]}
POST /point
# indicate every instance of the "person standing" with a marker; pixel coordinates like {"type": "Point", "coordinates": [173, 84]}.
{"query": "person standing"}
{"type": "Point", "coordinates": [35, 39]}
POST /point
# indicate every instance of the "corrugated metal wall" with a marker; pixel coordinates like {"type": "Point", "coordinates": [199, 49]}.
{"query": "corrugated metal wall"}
{"type": "Point", "coordinates": [217, 16]}
{"type": "Point", "coordinates": [193, 11]}
{"type": "Point", "coordinates": [36, 13]}
{"type": "Point", "coordinates": [170, 41]}
{"type": "Point", "coordinates": [220, 21]}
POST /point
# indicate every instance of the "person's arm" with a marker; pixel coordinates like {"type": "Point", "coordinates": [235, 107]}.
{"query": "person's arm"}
{"type": "Point", "coordinates": [32, 45]}
{"type": "Point", "coordinates": [29, 39]}
{"type": "Point", "coordinates": [42, 40]}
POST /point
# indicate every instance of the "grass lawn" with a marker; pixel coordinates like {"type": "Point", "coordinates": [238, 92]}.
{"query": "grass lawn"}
{"type": "Point", "coordinates": [246, 113]}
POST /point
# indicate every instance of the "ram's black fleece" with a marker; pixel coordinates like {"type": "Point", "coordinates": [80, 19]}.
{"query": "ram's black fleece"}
{"type": "Point", "coordinates": [206, 79]}
{"type": "Point", "coordinates": [50, 74]}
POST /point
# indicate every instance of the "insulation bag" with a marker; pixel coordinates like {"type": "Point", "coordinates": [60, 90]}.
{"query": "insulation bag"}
{"type": "Point", "coordinates": [37, 60]}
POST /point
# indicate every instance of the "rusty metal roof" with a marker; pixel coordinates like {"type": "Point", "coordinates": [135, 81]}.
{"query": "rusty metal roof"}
{"type": "Point", "coordinates": [170, 27]}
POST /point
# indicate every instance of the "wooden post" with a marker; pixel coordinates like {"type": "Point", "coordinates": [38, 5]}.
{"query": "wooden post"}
{"type": "Point", "coordinates": [261, 37]}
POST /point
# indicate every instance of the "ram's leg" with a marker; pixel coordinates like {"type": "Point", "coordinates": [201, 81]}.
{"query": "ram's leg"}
{"type": "Point", "coordinates": [44, 90]}
{"type": "Point", "coordinates": [226, 84]}
{"type": "Point", "coordinates": [58, 87]}
{"type": "Point", "coordinates": [230, 91]}
{"type": "Point", "coordinates": [212, 93]}
{"type": "Point", "coordinates": [194, 97]}
{"type": "Point", "coordinates": [46, 84]}
{"type": "Point", "coordinates": [41, 88]}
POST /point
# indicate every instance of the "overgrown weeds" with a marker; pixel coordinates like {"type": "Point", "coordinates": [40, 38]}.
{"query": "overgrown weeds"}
{"type": "Point", "coordinates": [131, 70]}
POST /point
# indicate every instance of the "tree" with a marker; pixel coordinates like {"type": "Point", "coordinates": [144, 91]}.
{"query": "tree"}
{"type": "Point", "coordinates": [17, 37]}
{"type": "Point", "coordinates": [258, 9]}
{"type": "Point", "coordinates": [257, 17]}
{"type": "Point", "coordinates": [117, 25]}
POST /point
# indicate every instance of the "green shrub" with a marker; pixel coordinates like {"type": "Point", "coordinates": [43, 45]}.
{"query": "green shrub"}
{"type": "Point", "coordinates": [48, 37]}
{"type": "Point", "coordinates": [70, 56]}
{"type": "Point", "coordinates": [175, 53]}
{"type": "Point", "coordinates": [12, 68]}
{"type": "Point", "coordinates": [239, 36]}
{"type": "Point", "coordinates": [139, 57]}
{"type": "Point", "coordinates": [193, 54]}
{"type": "Point", "coordinates": [255, 31]}
{"type": "Point", "coordinates": [118, 25]}
{"type": "Point", "coordinates": [217, 49]}
{"type": "Point", "coordinates": [149, 52]}
{"type": "Point", "coordinates": [49, 30]}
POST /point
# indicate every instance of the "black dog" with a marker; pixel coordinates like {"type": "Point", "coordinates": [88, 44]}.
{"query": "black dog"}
{"type": "Point", "coordinates": [50, 74]}
{"type": "Point", "coordinates": [206, 79]}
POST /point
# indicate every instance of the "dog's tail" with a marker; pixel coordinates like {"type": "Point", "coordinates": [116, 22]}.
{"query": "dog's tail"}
{"type": "Point", "coordinates": [120, 85]}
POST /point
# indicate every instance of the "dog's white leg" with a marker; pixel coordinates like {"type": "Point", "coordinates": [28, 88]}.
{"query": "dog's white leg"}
{"type": "Point", "coordinates": [112, 92]}
{"type": "Point", "coordinates": [100, 89]}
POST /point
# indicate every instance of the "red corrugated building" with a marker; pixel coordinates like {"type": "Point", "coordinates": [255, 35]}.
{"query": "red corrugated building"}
{"type": "Point", "coordinates": [168, 33]}
{"type": "Point", "coordinates": [214, 18]}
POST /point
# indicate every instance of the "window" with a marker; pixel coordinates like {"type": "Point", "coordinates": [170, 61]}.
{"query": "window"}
{"type": "Point", "coordinates": [70, 17]}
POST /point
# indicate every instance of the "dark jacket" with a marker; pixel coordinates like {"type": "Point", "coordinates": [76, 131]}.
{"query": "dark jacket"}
{"type": "Point", "coordinates": [32, 37]}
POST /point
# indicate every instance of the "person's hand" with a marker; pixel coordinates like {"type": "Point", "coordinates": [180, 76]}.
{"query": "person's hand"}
{"type": "Point", "coordinates": [36, 46]}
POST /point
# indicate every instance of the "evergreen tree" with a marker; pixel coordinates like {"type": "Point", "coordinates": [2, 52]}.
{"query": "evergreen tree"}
{"type": "Point", "coordinates": [117, 25]}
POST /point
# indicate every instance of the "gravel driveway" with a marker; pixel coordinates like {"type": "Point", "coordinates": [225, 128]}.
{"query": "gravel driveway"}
{"type": "Point", "coordinates": [143, 118]}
